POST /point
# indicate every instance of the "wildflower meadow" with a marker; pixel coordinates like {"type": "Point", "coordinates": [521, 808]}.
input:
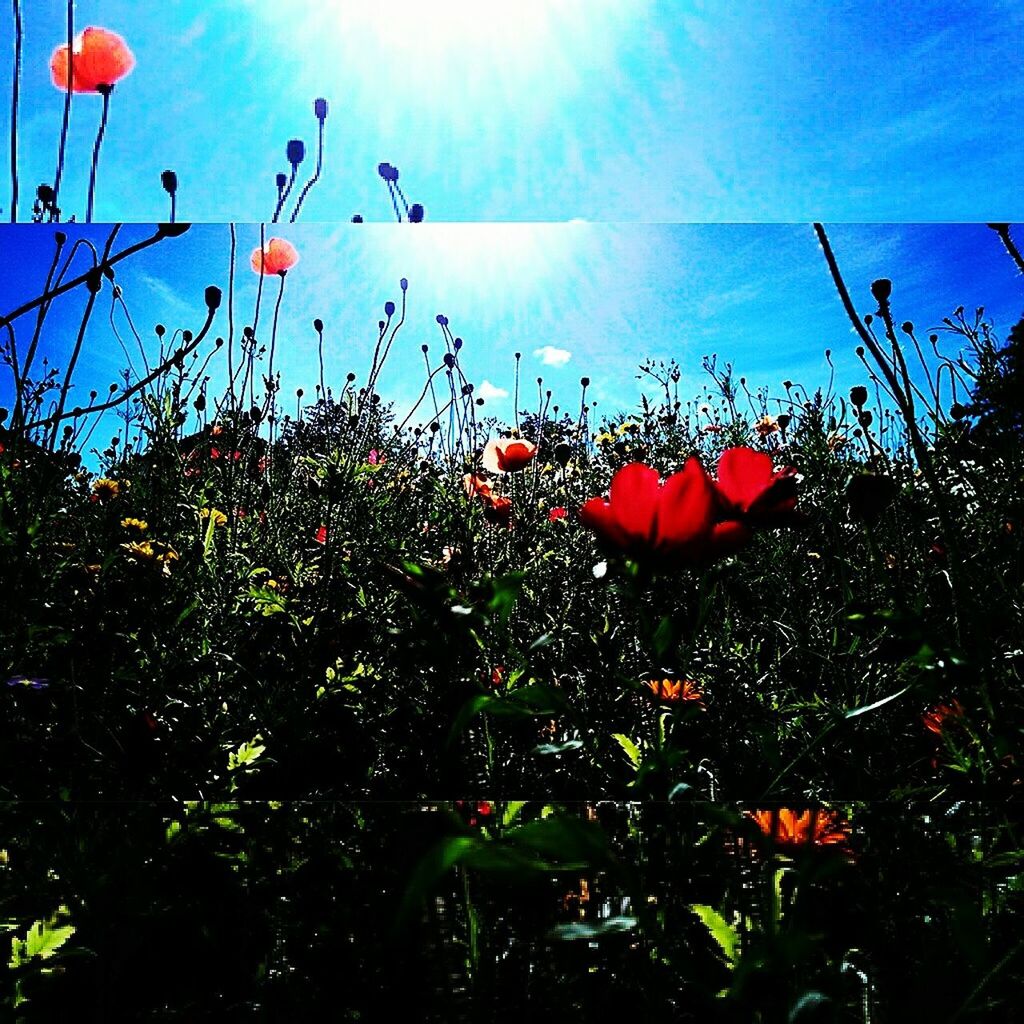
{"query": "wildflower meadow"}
{"type": "Point", "coordinates": [593, 614]}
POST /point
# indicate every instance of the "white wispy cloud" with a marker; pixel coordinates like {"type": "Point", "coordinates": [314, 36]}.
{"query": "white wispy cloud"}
{"type": "Point", "coordinates": [170, 298]}
{"type": "Point", "coordinates": [551, 356]}
{"type": "Point", "coordinates": [487, 391]}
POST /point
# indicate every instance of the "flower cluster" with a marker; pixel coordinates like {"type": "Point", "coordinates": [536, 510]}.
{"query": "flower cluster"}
{"type": "Point", "coordinates": [691, 519]}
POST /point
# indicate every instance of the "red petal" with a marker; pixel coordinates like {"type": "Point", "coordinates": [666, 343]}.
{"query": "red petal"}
{"type": "Point", "coordinates": [59, 67]}
{"type": "Point", "coordinates": [597, 514]}
{"type": "Point", "coordinates": [634, 497]}
{"type": "Point", "coordinates": [776, 504]}
{"type": "Point", "coordinates": [743, 475]}
{"type": "Point", "coordinates": [728, 538]}
{"type": "Point", "coordinates": [103, 59]}
{"type": "Point", "coordinates": [686, 509]}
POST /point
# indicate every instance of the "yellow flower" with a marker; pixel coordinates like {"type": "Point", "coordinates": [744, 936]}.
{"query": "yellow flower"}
{"type": "Point", "coordinates": [151, 551]}
{"type": "Point", "coordinates": [218, 517]}
{"type": "Point", "coordinates": [603, 438]}
{"type": "Point", "coordinates": [105, 489]}
{"type": "Point", "coordinates": [766, 426]}
{"type": "Point", "coordinates": [135, 524]}
{"type": "Point", "coordinates": [625, 428]}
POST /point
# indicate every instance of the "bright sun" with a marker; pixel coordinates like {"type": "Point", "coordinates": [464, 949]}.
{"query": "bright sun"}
{"type": "Point", "coordinates": [471, 54]}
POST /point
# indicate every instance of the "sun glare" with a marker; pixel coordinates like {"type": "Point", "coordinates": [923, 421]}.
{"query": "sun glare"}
{"type": "Point", "coordinates": [478, 53]}
{"type": "Point", "coordinates": [510, 260]}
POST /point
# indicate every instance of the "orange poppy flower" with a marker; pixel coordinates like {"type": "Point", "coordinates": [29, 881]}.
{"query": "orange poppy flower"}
{"type": "Point", "coordinates": [789, 828]}
{"type": "Point", "coordinates": [276, 257]}
{"type": "Point", "coordinates": [507, 455]}
{"type": "Point", "coordinates": [98, 58]}
{"type": "Point", "coordinates": [676, 690]}
{"type": "Point", "coordinates": [935, 719]}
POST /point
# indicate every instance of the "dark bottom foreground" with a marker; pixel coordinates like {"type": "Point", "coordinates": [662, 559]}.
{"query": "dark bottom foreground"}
{"type": "Point", "coordinates": [474, 910]}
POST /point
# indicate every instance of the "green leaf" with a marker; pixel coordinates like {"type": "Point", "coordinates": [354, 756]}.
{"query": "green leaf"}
{"type": "Point", "coordinates": [506, 591]}
{"type": "Point", "coordinates": [512, 809]}
{"type": "Point", "coordinates": [44, 938]}
{"type": "Point", "coordinates": [721, 931]}
{"type": "Point", "coordinates": [246, 753]}
{"type": "Point", "coordinates": [631, 748]}
{"type": "Point", "coordinates": [854, 712]}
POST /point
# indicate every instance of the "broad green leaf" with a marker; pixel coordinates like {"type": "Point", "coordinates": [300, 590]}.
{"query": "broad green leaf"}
{"type": "Point", "coordinates": [721, 931]}
{"type": "Point", "coordinates": [631, 749]}
{"type": "Point", "coordinates": [43, 939]}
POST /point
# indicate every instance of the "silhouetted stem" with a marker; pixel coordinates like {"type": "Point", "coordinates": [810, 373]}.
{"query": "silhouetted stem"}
{"type": "Point", "coordinates": [105, 91]}
{"type": "Point", "coordinates": [19, 411]}
{"type": "Point", "coordinates": [285, 192]}
{"type": "Point", "coordinates": [94, 290]}
{"type": "Point", "coordinates": [187, 349]}
{"type": "Point", "coordinates": [104, 264]}
{"type": "Point", "coordinates": [273, 328]}
{"type": "Point", "coordinates": [316, 176]}
{"type": "Point", "coordinates": [15, 89]}
{"type": "Point", "coordinates": [231, 315]}
{"type": "Point", "coordinates": [67, 110]}
{"type": "Point", "coordinates": [1003, 231]}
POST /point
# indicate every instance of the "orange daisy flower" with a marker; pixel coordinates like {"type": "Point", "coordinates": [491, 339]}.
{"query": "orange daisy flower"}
{"type": "Point", "coordinates": [676, 691]}
{"type": "Point", "coordinates": [789, 828]}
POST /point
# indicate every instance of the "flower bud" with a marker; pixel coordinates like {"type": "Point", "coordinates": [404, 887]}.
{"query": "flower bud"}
{"type": "Point", "coordinates": [296, 152]}
{"type": "Point", "coordinates": [169, 180]}
{"type": "Point", "coordinates": [881, 290]}
{"type": "Point", "coordinates": [869, 494]}
{"type": "Point", "coordinates": [320, 108]}
{"type": "Point", "coordinates": [859, 395]}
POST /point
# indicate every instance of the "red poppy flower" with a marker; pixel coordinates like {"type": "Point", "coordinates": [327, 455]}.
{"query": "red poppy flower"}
{"type": "Point", "coordinates": [507, 455]}
{"type": "Point", "coordinates": [753, 492]}
{"type": "Point", "coordinates": [98, 58]}
{"type": "Point", "coordinates": [556, 513]}
{"type": "Point", "coordinates": [644, 517]}
{"type": "Point", "coordinates": [788, 828]}
{"type": "Point", "coordinates": [276, 257]}
{"type": "Point", "coordinates": [321, 535]}
{"type": "Point", "coordinates": [498, 510]}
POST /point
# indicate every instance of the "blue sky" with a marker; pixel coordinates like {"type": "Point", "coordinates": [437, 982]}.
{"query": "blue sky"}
{"type": "Point", "coordinates": [574, 299]}
{"type": "Point", "coordinates": [610, 110]}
